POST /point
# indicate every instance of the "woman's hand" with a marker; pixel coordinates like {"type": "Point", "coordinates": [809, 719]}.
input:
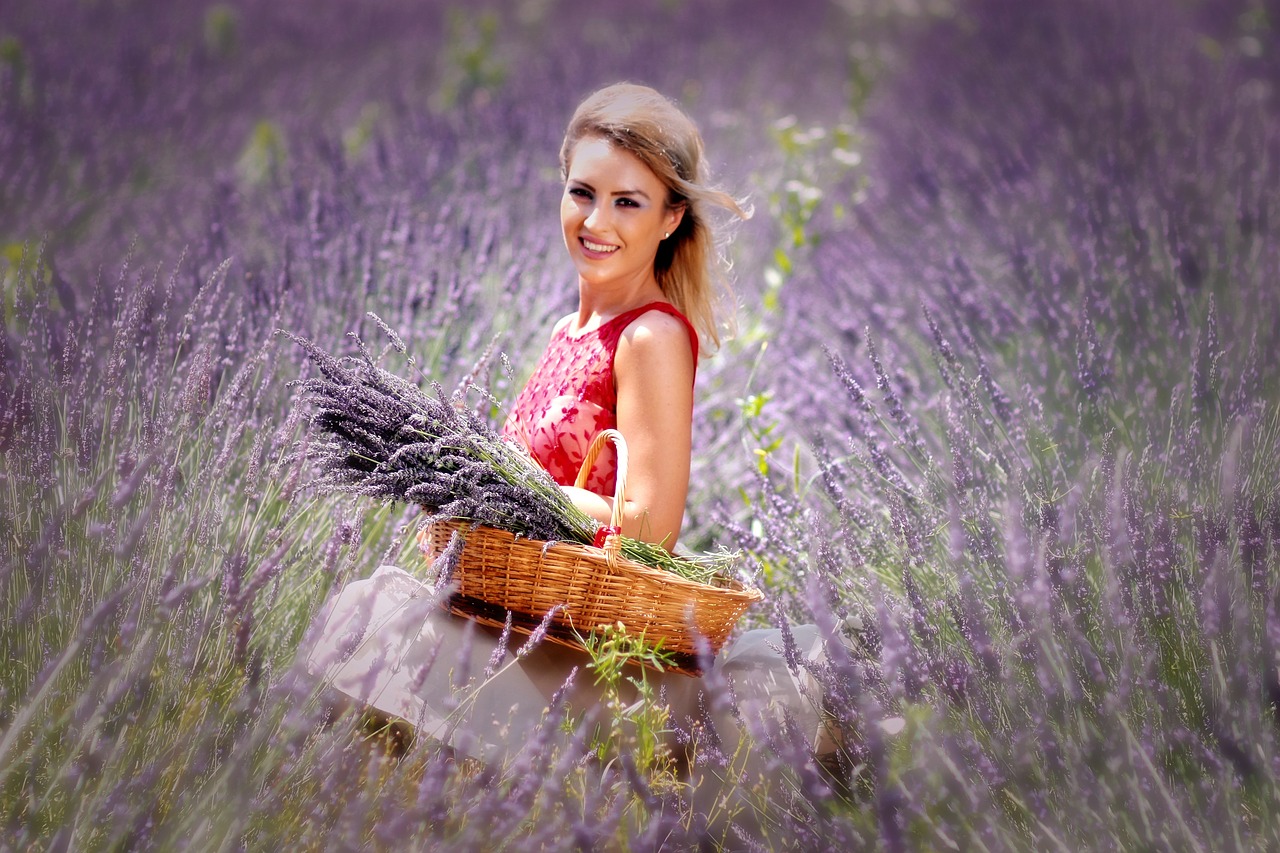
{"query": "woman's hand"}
{"type": "Point", "coordinates": [653, 372]}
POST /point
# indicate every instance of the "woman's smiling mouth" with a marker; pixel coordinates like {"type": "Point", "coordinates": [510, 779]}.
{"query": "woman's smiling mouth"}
{"type": "Point", "coordinates": [595, 248]}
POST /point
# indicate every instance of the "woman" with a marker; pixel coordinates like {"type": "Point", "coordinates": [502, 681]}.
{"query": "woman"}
{"type": "Point", "coordinates": [634, 216]}
{"type": "Point", "coordinates": [634, 221]}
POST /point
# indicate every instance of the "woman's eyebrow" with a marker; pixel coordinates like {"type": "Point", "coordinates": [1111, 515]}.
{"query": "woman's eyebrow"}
{"type": "Point", "coordinates": [578, 182]}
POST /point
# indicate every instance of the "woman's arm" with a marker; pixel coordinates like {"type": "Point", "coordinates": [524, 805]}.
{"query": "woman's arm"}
{"type": "Point", "coordinates": [653, 371]}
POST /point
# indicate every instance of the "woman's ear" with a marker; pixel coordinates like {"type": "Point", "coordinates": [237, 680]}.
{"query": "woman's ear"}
{"type": "Point", "coordinates": [675, 214]}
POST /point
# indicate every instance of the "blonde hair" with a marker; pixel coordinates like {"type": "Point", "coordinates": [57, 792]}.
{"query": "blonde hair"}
{"type": "Point", "coordinates": [690, 266]}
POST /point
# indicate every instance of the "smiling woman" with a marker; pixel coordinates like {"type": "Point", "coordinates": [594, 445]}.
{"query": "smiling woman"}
{"type": "Point", "coordinates": [634, 215]}
{"type": "Point", "coordinates": [635, 220]}
{"type": "Point", "coordinates": [639, 127]}
{"type": "Point", "coordinates": [641, 349]}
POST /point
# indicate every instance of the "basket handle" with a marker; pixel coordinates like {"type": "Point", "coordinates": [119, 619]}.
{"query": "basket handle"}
{"type": "Point", "coordinates": [589, 460]}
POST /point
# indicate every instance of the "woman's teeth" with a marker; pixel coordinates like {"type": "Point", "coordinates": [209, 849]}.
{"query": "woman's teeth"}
{"type": "Point", "coordinates": [598, 247]}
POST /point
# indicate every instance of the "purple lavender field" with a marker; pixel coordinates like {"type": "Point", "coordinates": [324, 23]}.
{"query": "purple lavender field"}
{"type": "Point", "coordinates": [1003, 409]}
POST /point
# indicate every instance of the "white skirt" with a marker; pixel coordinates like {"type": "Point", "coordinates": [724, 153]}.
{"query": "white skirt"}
{"type": "Point", "coordinates": [385, 641]}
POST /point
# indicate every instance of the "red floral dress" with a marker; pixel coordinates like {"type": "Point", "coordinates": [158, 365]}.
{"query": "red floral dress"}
{"type": "Point", "coordinates": [571, 396]}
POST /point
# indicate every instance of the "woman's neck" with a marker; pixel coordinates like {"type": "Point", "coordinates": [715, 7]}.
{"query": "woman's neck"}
{"type": "Point", "coordinates": [598, 305]}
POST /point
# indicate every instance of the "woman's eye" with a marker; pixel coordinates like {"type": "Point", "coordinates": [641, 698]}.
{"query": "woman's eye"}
{"type": "Point", "coordinates": [579, 192]}
{"type": "Point", "coordinates": [627, 202]}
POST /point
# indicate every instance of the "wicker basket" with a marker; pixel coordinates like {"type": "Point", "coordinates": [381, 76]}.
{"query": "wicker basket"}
{"type": "Point", "coordinates": [499, 572]}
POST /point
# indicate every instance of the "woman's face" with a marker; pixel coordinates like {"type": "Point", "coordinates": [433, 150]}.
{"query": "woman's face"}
{"type": "Point", "coordinates": [613, 214]}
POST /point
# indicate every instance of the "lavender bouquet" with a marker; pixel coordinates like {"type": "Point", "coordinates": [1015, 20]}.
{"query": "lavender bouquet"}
{"type": "Point", "coordinates": [384, 437]}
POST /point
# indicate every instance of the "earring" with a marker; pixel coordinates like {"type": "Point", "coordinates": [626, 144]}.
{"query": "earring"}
{"type": "Point", "coordinates": [666, 235]}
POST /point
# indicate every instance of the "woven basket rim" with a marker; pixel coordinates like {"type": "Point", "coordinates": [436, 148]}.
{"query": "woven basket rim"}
{"type": "Point", "coordinates": [737, 588]}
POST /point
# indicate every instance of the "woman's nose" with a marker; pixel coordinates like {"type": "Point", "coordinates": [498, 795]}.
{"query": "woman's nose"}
{"type": "Point", "coordinates": [598, 218]}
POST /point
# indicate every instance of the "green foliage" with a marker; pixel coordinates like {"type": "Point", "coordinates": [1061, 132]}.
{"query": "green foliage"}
{"type": "Point", "coordinates": [356, 138]}
{"type": "Point", "coordinates": [471, 65]}
{"type": "Point", "coordinates": [221, 31]}
{"type": "Point", "coordinates": [14, 66]}
{"type": "Point", "coordinates": [637, 724]}
{"type": "Point", "coordinates": [620, 659]}
{"type": "Point", "coordinates": [264, 155]}
{"type": "Point", "coordinates": [21, 280]}
{"type": "Point", "coordinates": [813, 157]}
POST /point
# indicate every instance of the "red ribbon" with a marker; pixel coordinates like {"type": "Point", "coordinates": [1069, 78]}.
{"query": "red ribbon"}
{"type": "Point", "coordinates": [604, 533]}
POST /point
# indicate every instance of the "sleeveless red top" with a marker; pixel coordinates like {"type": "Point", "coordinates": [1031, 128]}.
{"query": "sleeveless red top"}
{"type": "Point", "coordinates": [571, 396]}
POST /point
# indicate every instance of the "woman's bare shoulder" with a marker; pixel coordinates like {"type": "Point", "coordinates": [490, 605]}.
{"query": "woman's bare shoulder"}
{"type": "Point", "coordinates": [655, 329]}
{"type": "Point", "coordinates": [654, 345]}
